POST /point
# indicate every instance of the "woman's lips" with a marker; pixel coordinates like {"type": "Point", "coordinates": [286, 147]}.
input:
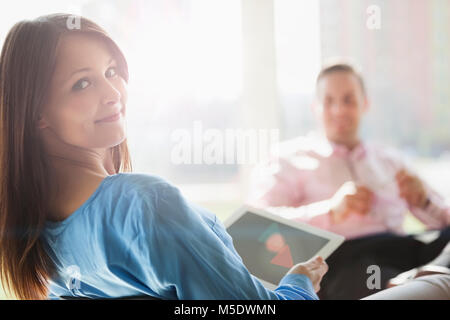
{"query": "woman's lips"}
{"type": "Point", "coordinates": [112, 118]}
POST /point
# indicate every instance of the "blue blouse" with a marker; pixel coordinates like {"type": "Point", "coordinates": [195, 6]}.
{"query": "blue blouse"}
{"type": "Point", "coordinates": [137, 235]}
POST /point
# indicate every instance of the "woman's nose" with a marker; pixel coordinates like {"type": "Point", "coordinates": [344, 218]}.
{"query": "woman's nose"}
{"type": "Point", "coordinates": [110, 94]}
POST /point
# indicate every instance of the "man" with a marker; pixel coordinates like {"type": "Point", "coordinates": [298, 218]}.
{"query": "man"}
{"type": "Point", "coordinates": [343, 184]}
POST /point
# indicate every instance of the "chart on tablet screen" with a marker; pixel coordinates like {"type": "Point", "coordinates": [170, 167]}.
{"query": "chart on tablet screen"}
{"type": "Point", "coordinates": [275, 242]}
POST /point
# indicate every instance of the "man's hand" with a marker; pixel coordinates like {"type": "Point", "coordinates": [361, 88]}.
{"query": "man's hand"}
{"type": "Point", "coordinates": [350, 198]}
{"type": "Point", "coordinates": [411, 189]}
{"type": "Point", "coordinates": [314, 269]}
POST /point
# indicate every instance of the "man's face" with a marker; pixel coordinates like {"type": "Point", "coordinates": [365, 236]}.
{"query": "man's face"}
{"type": "Point", "coordinates": [342, 103]}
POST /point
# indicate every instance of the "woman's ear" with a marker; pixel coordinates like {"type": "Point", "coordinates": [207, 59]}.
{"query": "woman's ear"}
{"type": "Point", "coordinates": [42, 123]}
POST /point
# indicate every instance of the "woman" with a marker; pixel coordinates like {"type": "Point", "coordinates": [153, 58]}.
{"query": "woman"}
{"type": "Point", "coordinates": [74, 220]}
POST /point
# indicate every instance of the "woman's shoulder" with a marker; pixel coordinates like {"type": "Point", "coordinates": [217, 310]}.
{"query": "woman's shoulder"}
{"type": "Point", "coordinates": [125, 201]}
{"type": "Point", "coordinates": [139, 177]}
{"type": "Point", "coordinates": [128, 182]}
{"type": "Point", "coordinates": [156, 197]}
{"type": "Point", "coordinates": [141, 189]}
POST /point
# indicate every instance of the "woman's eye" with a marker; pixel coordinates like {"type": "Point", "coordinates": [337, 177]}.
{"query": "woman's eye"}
{"type": "Point", "coordinates": [81, 84]}
{"type": "Point", "coordinates": [111, 72]}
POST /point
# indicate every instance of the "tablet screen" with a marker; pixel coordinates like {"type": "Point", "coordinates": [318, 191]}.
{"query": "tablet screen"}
{"type": "Point", "coordinates": [269, 249]}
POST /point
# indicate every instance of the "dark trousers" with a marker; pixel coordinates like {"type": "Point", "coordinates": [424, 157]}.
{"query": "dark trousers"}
{"type": "Point", "coordinates": [393, 254]}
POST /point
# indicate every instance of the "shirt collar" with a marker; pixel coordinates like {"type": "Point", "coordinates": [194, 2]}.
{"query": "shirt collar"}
{"type": "Point", "coordinates": [341, 151]}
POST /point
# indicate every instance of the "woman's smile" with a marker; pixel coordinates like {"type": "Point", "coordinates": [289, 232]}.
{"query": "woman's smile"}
{"type": "Point", "coordinates": [112, 118]}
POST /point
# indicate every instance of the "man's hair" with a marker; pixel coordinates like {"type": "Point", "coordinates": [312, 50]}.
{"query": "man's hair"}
{"type": "Point", "coordinates": [341, 67]}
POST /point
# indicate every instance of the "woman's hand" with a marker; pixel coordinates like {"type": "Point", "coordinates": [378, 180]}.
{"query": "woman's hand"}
{"type": "Point", "coordinates": [314, 269]}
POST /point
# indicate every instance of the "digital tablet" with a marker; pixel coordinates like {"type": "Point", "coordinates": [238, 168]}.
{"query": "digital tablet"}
{"type": "Point", "coordinates": [270, 245]}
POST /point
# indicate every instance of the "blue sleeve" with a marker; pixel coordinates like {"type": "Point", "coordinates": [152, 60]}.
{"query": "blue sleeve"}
{"type": "Point", "coordinates": [52, 296]}
{"type": "Point", "coordinates": [184, 257]}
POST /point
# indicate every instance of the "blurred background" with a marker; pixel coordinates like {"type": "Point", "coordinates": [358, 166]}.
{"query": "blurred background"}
{"type": "Point", "coordinates": [253, 63]}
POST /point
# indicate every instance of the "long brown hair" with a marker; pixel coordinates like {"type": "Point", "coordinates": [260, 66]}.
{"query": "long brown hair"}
{"type": "Point", "coordinates": [27, 64]}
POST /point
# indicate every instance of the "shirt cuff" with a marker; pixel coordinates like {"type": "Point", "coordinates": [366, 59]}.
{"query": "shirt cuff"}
{"type": "Point", "coordinates": [299, 280]}
{"type": "Point", "coordinates": [435, 215]}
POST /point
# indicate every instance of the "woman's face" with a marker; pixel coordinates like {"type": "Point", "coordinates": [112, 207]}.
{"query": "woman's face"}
{"type": "Point", "coordinates": [85, 89]}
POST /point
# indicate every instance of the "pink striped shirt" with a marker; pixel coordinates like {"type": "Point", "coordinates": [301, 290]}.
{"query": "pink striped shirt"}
{"type": "Point", "coordinates": [309, 170]}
